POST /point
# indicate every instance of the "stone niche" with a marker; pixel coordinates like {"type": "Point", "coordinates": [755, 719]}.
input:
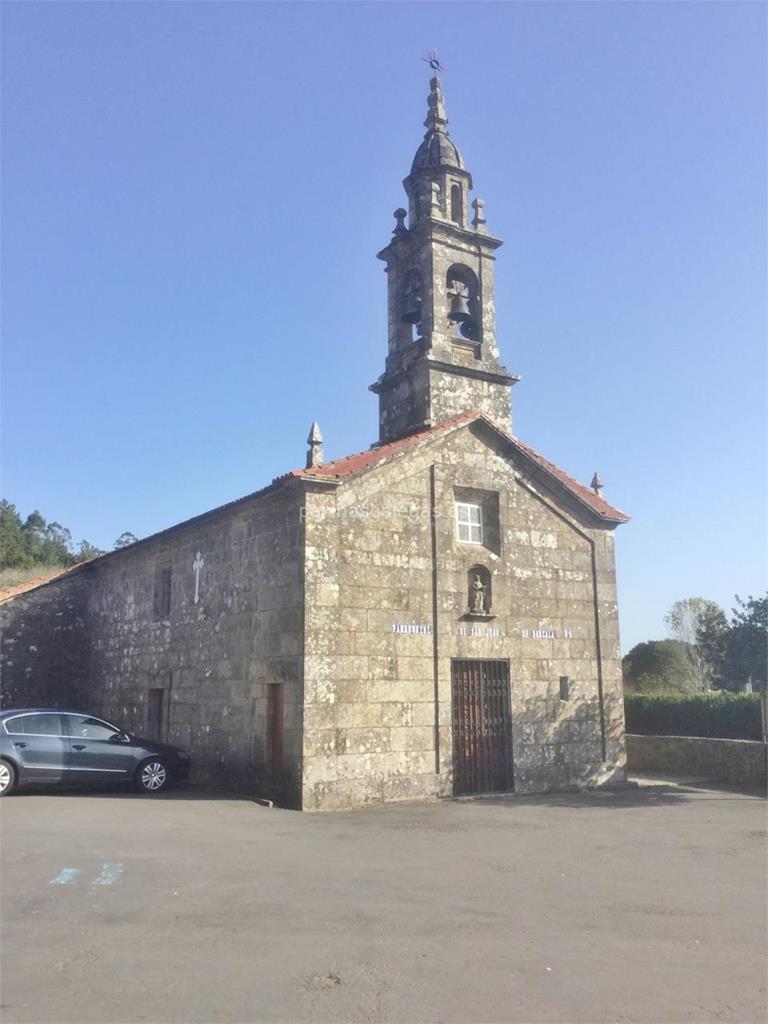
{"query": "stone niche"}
{"type": "Point", "coordinates": [479, 604]}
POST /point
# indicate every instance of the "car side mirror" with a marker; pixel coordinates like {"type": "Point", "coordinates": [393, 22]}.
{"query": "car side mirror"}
{"type": "Point", "coordinates": [119, 737]}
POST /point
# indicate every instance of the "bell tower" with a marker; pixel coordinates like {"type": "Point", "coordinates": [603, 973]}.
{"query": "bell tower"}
{"type": "Point", "coordinates": [442, 358]}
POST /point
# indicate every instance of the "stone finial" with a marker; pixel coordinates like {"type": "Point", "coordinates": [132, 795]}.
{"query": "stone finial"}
{"type": "Point", "coordinates": [400, 229]}
{"type": "Point", "coordinates": [478, 221]}
{"type": "Point", "coordinates": [597, 485]}
{"type": "Point", "coordinates": [315, 456]}
{"type": "Point", "coordinates": [436, 119]}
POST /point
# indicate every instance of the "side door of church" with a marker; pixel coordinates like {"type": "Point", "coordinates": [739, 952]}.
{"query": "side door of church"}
{"type": "Point", "coordinates": [482, 727]}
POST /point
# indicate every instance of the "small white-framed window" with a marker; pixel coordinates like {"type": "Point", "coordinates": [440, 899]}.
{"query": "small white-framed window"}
{"type": "Point", "coordinates": [469, 523]}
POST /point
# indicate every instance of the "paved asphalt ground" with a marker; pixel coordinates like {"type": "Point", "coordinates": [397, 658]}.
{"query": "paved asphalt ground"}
{"type": "Point", "coordinates": [645, 905]}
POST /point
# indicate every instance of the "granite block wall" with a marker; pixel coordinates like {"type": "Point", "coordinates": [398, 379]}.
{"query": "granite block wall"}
{"type": "Point", "coordinates": [45, 645]}
{"type": "Point", "coordinates": [354, 598]}
{"type": "Point", "coordinates": [131, 624]}
{"type": "Point", "coordinates": [744, 762]}
{"type": "Point", "coordinates": [214, 659]}
{"type": "Point", "coordinates": [386, 613]}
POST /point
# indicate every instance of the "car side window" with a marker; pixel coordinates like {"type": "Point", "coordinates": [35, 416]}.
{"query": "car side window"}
{"type": "Point", "coordinates": [15, 726]}
{"type": "Point", "coordinates": [88, 728]}
{"type": "Point", "coordinates": [34, 725]}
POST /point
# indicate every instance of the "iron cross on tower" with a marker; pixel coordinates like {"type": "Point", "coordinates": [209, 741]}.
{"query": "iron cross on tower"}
{"type": "Point", "coordinates": [434, 61]}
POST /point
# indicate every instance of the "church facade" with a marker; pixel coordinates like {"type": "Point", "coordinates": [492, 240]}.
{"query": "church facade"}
{"type": "Point", "coordinates": [434, 616]}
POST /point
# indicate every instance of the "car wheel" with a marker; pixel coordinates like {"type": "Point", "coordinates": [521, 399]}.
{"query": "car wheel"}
{"type": "Point", "coordinates": [152, 776]}
{"type": "Point", "coordinates": [7, 778]}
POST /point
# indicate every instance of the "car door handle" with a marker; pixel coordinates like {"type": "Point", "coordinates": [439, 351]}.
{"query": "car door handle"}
{"type": "Point", "coordinates": [19, 745]}
{"type": "Point", "coordinates": [78, 746]}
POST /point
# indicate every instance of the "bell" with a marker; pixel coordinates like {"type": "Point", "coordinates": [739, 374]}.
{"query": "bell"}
{"type": "Point", "coordinates": [459, 310]}
{"type": "Point", "coordinates": [469, 330]}
{"type": "Point", "coordinates": [412, 314]}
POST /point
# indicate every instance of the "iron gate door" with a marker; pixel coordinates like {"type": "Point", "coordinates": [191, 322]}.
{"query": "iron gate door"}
{"type": "Point", "coordinates": [482, 734]}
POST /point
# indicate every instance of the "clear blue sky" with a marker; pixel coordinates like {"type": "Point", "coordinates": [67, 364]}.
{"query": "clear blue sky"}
{"type": "Point", "coordinates": [194, 194]}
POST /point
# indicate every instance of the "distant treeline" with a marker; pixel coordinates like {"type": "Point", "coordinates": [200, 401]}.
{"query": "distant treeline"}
{"type": "Point", "coordinates": [26, 543]}
{"type": "Point", "coordinates": [708, 650]}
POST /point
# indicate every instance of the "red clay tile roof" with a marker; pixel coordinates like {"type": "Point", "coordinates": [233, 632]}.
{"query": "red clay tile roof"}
{"type": "Point", "coordinates": [581, 491]}
{"type": "Point", "coordinates": [352, 464]}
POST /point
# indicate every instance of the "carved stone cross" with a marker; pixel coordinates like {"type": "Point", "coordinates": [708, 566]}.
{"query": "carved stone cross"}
{"type": "Point", "coordinates": [197, 565]}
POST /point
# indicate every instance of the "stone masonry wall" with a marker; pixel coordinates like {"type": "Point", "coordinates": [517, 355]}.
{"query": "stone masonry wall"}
{"type": "Point", "coordinates": [451, 394]}
{"type": "Point", "coordinates": [378, 720]}
{"type": "Point", "coordinates": [215, 659]}
{"type": "Point", "coordinates": [698, 757]}
{"type": "Point", "coordinates": [45, 645]}
{"type": "Point", "coordinates": [97, 640]}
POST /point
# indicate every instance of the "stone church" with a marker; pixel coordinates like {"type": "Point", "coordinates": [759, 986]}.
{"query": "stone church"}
{"type": "Point", "coordinates": [434, 616]}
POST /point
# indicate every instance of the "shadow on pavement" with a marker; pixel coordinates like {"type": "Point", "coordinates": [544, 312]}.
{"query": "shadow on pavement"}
{"type": "Point", "coordinates": [660, 795]}
{"type": "Point", "coordinates": [650, 793]}
{"type": "Point", "coordinates": [106, 791]}
{"type": "Point", "coordinates": [689, 782]}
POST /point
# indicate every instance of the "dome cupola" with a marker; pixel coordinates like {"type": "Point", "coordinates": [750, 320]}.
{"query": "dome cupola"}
{"type": "Point", "coordinates": [437, 149]}
{"type": "Point", "coordinates": [438, 177]}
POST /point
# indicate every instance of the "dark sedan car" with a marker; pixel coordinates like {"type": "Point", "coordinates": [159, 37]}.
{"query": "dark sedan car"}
{"type": "Point", "coordinates": [48, 745]}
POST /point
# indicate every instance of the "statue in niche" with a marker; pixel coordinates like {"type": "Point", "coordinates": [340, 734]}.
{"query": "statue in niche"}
{"type": "Point", "coordinates": [477, 596]}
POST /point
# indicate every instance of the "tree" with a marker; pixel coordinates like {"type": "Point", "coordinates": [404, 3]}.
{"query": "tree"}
{"type": "Point", "coordinates": [746, 644]}
{"type": "Point", "coordinates": [44, 543]}
{"type": "Point", "coordinates": [55, 545]}
{"type": "Point", "coordinates": [33, 542]}
{"type": "Point", "coordinates": [712, 640]}
{"type": "Point", "coordinates": [13, 553]}
{"type": "Point", "coordinates": [658, 666]}
{"type": "Point", "coordinates": [684, 621]}
{"type": "Point", "coordinates": [88, 551]}
{"type": "Point", "coordinates": [34, 524]}
{"type": "Point", "coordinates": [125, 539]}
{"type": "Point", "coordinates": [736, 651]}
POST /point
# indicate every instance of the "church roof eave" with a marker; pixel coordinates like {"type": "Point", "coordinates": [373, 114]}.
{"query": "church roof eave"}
{"type": "Point", "coordinates": [331, 474]}
{"type": "Point", "coordinates": [353, 465]}
{"type": "Point", "coordinates": [279, 482]}
{"type": "Point", "coordinates": [19, 589]}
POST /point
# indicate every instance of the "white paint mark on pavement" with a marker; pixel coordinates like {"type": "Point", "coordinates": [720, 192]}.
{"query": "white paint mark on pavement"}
{"type": "Point", "coordinates": [65, 877]}
{"type": "Point", "coordinates": [109, 874]}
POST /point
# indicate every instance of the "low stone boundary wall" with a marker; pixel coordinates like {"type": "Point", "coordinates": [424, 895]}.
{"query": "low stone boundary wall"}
{"type": "Point", "coordinates": [696, 757]}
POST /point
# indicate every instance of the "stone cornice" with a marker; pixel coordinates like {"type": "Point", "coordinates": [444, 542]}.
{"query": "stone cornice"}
{"type": "Point", "coordinates": [500, 376]}
{"type": "Point", "coordinates": [443, 233]}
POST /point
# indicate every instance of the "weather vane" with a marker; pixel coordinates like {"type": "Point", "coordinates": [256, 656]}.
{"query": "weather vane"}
{"type": "Point", "coordinates": [434, 61]}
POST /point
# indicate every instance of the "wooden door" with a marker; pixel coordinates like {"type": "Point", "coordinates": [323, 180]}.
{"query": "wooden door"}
{"type": "Point", "coordinates": [482, 733]}
{"type": "Point", "coordinates": [275, 727]}
{"type": "Point", "coordinates": [155, 700]}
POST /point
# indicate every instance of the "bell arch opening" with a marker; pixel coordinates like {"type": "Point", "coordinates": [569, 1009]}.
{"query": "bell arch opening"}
{"type": "Point", "coordinates": [457, 205]}
{"type": "Point", "coordinates": [411, 302]}
{"type": "Point", "coordinates": [463, 291]}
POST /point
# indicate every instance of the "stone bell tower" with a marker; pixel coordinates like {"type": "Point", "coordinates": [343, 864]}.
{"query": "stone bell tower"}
{"type": "Point", "coordinates": [442, 358]}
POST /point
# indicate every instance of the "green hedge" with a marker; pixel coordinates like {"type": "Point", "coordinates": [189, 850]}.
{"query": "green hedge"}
{"type": "Point", "coordinates": [734, 716]}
